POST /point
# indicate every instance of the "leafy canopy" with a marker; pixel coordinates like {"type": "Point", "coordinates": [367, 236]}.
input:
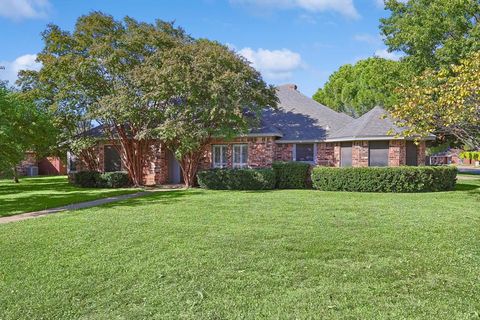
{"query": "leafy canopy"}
{"type": "Point", "coordinates": [23, 127]}
{"type": "Point", "coordinates": [445, 102]}
{"type": "Point", "coordinates": [432, 33]}
{"type": "Point", "coordinates": [355, 89]}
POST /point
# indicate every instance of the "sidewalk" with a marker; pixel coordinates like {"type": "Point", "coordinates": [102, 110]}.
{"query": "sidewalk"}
{"type": "Point", "coordinates": [81, 205]}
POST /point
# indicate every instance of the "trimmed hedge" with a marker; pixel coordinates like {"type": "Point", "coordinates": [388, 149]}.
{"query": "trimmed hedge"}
{"type": "Point", "coordinates": [94, 179]}
{"type": "Point", "coordinates": [291, 175]}
{"type": "Point", "coordinates": [237, 179]}
{"type": "Point", "coordinates": [388, 179]}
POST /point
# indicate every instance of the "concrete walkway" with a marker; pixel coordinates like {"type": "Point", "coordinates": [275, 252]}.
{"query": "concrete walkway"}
{"type": "Point", "coordinates": [81, 205]}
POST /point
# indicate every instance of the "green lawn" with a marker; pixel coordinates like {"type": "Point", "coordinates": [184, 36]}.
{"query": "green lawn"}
{"type": "Point", "coordinates": [39, 193]}
{"type": "Point", "coordinates": [286, 254]}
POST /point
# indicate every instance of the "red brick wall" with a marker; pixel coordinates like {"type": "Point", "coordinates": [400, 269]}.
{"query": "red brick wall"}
{"type": "Point", "coordinates": [326, 154]}
{"type": "Point", "coordinates": [284, 152]}
{"type": "Point", "coordinates": [360, 154]}
{"type": "Point", "coordinates": [29, 160]}
{"type": "Point", "coordinates": [397, 153]}
{"type": "Point", "coordinates": [156, 171]}
{"type": "Point", "coordinates": [421, 149]}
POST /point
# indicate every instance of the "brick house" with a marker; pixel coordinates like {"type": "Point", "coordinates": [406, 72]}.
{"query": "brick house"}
{"type": "Point", "coordinates": [300, 129]}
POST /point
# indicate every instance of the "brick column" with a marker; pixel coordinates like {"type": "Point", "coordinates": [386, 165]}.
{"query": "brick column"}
{"type": "Point", "coordinates": [360, 154]}
{"type": "Point", "coordinates": [421, 148]}
{"type": "Point", "coordinates": [336, 154]}
{"type": "Point", "coordinates": [261, 152]}
{"type": "Point", "coordinates": [284, 152]}
{"type": "Point", "coordinates": [326, 154]}
{"type": "Point", "coordinates": [397, 153]}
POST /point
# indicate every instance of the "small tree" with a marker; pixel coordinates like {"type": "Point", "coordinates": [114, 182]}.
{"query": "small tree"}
{"type": "Point", "coordinates": [206, 91]}
{"type": "Point", "coordinates": [445, 102]}
{"type": "Point", "coordinates": [23, 127]}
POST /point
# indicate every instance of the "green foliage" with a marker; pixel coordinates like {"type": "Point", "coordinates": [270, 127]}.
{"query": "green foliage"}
{"type": "Point", "coordinates": [95, 179]}
{"type": "Point", "coordinates": [444, 101]}
{"type": "Point", "coordinates": [291, 175]}
{"type": "Point", "coordinates": [355, 89]}
{"type": "Point", "coordinates": [432, 33]}
{"type": "Point", "coordinates": [237, 179]}
{"type": "Point", "coordinates": [115, 179]}
{"type": "Point", "coordinates": [24, 126]}
{"type": "Point", "coordinates": [145, 81]}
{"type": "Point", "coordinates": [87, 179]}
{"type": "Point", "coordinates": [376, 179]}
{"type": "Point", "coordinates": [470, 155]}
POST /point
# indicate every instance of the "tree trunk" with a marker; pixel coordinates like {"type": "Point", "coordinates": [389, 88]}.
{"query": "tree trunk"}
{"type": "Point", "coordinates": [134, 153]}
{"type": "Point", "coordinates": [15, 174]}
{"type": "Point", "coordinates": [189, 165]}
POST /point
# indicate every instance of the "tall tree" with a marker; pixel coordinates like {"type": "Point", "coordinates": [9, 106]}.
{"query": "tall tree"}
{"type": "Point", "coordinates": [446, 101]}
{"type": "Point", "coordinates": [145, 81]}
{"type": "Point", "coordinates": [206, 91]}
{"type": "Point", "coordinates": [355, 89]}
{"type": "Point", "coordinates": [432, 33]}
{"type": "Point", "coordinates": [23, 127]}
{"type": "Point", "coordinates": [87, 77]}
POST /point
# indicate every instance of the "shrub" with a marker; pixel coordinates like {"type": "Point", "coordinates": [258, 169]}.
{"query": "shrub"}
{"type": "Point", "coordinates": [291, 175]}
{"type": "Point", "coordinates": [87, 179]}
{"type": "Point", "coordinates": [237, 179]}
{"type": "Point", "coordinates": [94, 179]}
{"type": "Point", "coordinates": [393, 179]}
{"type": "Point", "coordinates": [470, 155]}
{"type": "Point", "coordinates": [117, 179]}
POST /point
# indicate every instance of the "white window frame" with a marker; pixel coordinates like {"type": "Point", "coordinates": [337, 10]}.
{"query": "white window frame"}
{"type": "Point", "coordinates": [223, 148]}
{"type": "Point", "coordinates": [294, 155]}
{"type": "Point", "coordinates": [243, 162]}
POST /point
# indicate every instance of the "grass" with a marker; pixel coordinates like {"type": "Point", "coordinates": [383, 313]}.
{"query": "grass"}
{"type": "Point", "coordinates": [285, 254]}
{"type": "Point", "coordinates": [40, 193]}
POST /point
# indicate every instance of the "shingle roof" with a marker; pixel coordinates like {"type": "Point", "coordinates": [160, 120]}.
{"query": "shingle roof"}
{"type": "Point", "coordinates": [375, 123]}
{"type": "Point", "coordinates": [300, 118]}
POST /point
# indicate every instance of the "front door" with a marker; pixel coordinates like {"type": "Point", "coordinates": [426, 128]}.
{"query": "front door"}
{"type": "Point", "coordinates": [174, 170]}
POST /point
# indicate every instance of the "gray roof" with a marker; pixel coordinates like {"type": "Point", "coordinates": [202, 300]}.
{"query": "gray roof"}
{"type": "Point", "coordinates": [374, 124]}
{"type": "Point", "coordinates": [300, 118]}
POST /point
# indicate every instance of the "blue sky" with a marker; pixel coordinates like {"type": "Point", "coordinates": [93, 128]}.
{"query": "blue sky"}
{"type": "Point", "coordinates": [288, 41]}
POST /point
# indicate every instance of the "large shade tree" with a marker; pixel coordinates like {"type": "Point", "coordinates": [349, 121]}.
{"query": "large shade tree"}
{"type": "Point", "coordinates": [355, 89]}
{"type": "Point", "coordinates": [206, 91]}
{"type": "Point", "coordinates": [87, 78]}
{"type": "Point", "coordinates": [445, 102]}
{"type": "Point", "coordinates": [432, 33]}
{"type": "Point", "coordinates": [97, 75]}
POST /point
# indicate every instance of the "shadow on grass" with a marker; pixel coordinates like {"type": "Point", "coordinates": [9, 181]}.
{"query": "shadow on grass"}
{"type": "Point", "coordinates": [462, 186]}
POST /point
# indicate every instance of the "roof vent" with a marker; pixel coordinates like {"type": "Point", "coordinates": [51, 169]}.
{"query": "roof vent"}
{"type": "Point", "coordinates": [292, 86]}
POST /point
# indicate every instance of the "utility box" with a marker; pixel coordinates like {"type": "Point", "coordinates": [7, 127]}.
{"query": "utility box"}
{"type": "Point", "coordinates": [32, 171]}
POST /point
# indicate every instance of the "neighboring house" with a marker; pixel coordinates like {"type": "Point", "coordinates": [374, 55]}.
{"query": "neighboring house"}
{"type": "Point", "coordinates": [30, 165]}
{"type": "Point", "coordinates": [299, 130]}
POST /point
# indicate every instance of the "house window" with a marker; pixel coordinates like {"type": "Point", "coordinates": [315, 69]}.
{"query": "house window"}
{"type": "Point", "coordinates": [378, 154]}
{"type": "Point", "coordinates": [240, 155]}
{"type": "Point", "coordinates": [304, 152]}
{"type": "Point", "coordinates": [219, 156]}
{"type": "Point", "coordinates": [111, 159]}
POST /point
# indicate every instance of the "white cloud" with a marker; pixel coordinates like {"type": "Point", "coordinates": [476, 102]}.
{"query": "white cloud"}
{"type": "Point", "coordinates": [344, 7]}
{"type": "Point", "coordinates": [24, 9]}
{"type": "Point", "coordinates": [273, 64]}
{"type": "Point", "coordinates": [10, 69]}
{"type": "Point", "coordinates": [384, 53]}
